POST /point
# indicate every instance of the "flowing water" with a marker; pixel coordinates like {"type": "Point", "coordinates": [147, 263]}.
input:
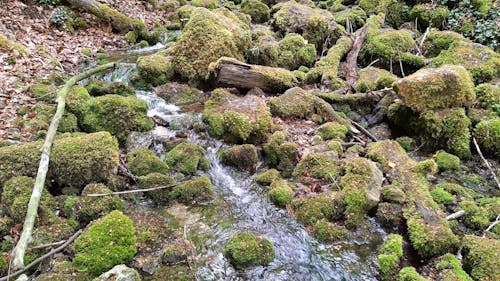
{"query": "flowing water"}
{"type": "Point", "coordinates": [241, 205]}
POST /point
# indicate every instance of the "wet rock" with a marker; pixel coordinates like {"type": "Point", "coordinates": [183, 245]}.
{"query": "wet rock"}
{"type": "Point", "coordinates": [187, 158]}
{"type": "Point", "coordinates": [161, 196]}
{"type": "Point", "coordinates": [155, 69]}
{"type": "Point", "coordinates": [142, 161]}
{"type": "Point", "coordinates": [139, 140]}
{"type": "Point", "coordinates": [120, 273]}
{"type": "Point", "coordinates": [180, 94]}
{"type": "Point", "coordinates": [245, 249]}
{"type": "Point", "coordinates": [243, 157]}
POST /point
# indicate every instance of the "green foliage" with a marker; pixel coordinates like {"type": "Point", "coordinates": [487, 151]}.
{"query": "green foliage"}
{"type": "Point", "coordinates": [105, 243]}
{"type": "Point", "coordinates": [187, 158]}
{"type": "Point", "coordinates": [142, 161]}
{"type": "Point", "coordinates": [280, 193]}
{"type": "Point", "coordinates": [245, 249]}
{"type": "Point", "coordinates": [326, 231]}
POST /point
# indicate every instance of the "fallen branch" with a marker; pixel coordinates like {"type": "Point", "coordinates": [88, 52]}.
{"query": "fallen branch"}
{"type": "Point", "coordinates": [48, 245]}
{"type": "Point", "coordinates": [42, 258]}
{"type": "Point", "coordinates": [455, 215]}
{"type": "Point", "coordinates": [354, 99]}
{"type": "Point", "coordinates": [31, 214]}
{"type": "Point", "coordinates": [485, 162]}
{"type": "Point", "coordinates": [364, 131]}
{"type": "Point", "coordinates": [132, 191]}
{"type": "Point", "coordinates": [351, 65]}
{"type": "Point", "coordinates": [497, 220]}
{"type": "Point", "coordinates": [127, 172]}
{"type": "Point", "coordinates": [420, 46]}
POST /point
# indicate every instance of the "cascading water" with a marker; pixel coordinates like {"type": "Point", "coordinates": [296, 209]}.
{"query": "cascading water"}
{"type": "Point", "coordinates": [241, 205]}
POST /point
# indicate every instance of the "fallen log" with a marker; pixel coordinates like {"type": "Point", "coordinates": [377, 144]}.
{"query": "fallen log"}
{"type": "Point", "coordinates": [351, 64]}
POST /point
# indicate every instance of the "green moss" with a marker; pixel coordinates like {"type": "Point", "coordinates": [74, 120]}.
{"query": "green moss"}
{"type": "Point", "coordinates": [155, 69]}
{"type": "Point", "coordinates": [374, 6]}
{"type": "Point", "coordinates": [443, 87]}
{"type": "Point", "coordinates": [457, 189]}
{"type": "Point", "coordinates": [446, 161]}
{"type": "Point", "coordinates": [438, 41]}
{"type": "Point", "coordinates": [74, 161]}
{"type": "Point", "coordinates": [91, 208]}
{"type": "Point", "coordinates": [428, 240]}
{"type": "Point", "coordinates": [243, 157]}
{"type": "Point", "coordinates": [326, 231]}
{"type": "Point", "coordinates": [209, 4]}
{"type": "Point", "coordinates": [487, 134]}
{"type": "Point", "coordinates": [387, 45]}
{"type": "Point", "coordinates": [107, 242]}
{"type": "Point", "coordinates": [398, 12]}
{"type": "Point", "coordinates": [481, 257]}
{"type": "Point", "coordinates": [43, 92]}
{"type": "Point", "coordinates": [482, 6]}
{"type": "Point", "coordinates": [197, 190]}
{"type": "Point", "coordinates": [394, 194]}
{"type": "Point", "coordinates": [267, 177]}
{"type": "Point", "coordinates": [321, 165]}
{"type": "Point", "coordinates": [476, 217]}
{"type": "Point", "coordinates": [312, 209]}
{"type": "Point", "coordinates": [488, 95]}
{"type": "Point", "coordinates": [100, 88]}
{"type": "Point", "coordinates": [180, 94]}
{"type": "Point", "coordinates": [371, 79]}
{"type": "Point", "coordinates": [221, 30]}
{"type": "Point", "coordinates": [406, 142]}
{"type": "Point", "coordinates": [441, 196]}
{"type": "Point", "coordinates": [425, 167]}
{"type": "Point", "coordinates": [409, 273]}
{"type": "Point", "coordinates": [118, 115]}
{"type": "Point", "coordinates": [187, 158]}
{"type": "Point", "coordinates": [450, 269]}
{"type": "Point", "coordinates": [142, 161]}
{"type": "Point", "coordinates": [429, 15]}
{"type": "Point", "coordinates": [244, 249]}
{"type": "Point", "coordinates": [332, 130]}
{"type": "Point", "coordinates": [280, 193]}
{"type": "Point", "coordinates": [355, 15]}
{"type": "Point", "coordinates": [389, 256]}
{"type": "Point", "coordinates": [77, 101]}
{"type": "Point", "coordinates": [256, 9]}
{"type": "Point", "coordinates": [10, 46]}
{"type": "Point", "coordinates": [162, 196]}
{"type": "Point", "coordinates": [44, 114]}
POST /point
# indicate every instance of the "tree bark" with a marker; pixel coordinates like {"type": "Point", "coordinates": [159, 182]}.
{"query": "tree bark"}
{"type": "Point", "coordinates": [351, 65]}
{"type": "Point", "coordinates": [31, 214]}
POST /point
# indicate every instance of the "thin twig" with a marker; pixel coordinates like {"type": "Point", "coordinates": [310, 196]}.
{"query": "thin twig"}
{"type": "Point", "coordinates": [373, 62]}
{"type": "Point", "coordinates": [485, 162]}
{"type": "Point", "coordinates": [401, 64]}
{"type": "Point", "coordinates": [455, 215]}
{"type": "Point", "coordinates": [48, 245]}
{"type": "Point", "coordinates": [423, 39]}
{"type": "Point", "coordinates": [131, 191]}
{"type": "Point", "coordinates": [497, 220]}
{"type": "Point", "coordinates": [42, 258]}
{"type": "Point", "coordinates": [365, 131]}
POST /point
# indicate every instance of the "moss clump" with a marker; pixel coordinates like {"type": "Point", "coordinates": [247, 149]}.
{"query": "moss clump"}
{"type": "Point", "coordinates": [317, 165]}
{"type": "Point", "coordinates": [258, 11]}
{"type": "Point", "coordinates": [355, 15]}
{"type": "Point", "coordinates": [74, 161]}
{"type": "Point", "coordinates": [441, 196]}
{"type": "Point", "coordinates": [221, 30]}
{"type": "Point", "coordinates": [118, 115]}
{"type": "Point", "coordinates": [180, 94]}
{"type": "Point", "coordinates": [312, 209]}
{"type": "Point", "coordinates": [44, 114]}
{"type": "Point", "coordinates": [430, 241]}
{"type": "Point", "coordinates": [267, 177]}
{"type": "Point", "coordinates": [438, 41]}
{"type": "Point", "coordinates": [425, 167]}
{"type": "Point", "coordinates": [374, 6]}
{"type": "Point", "coordinates": [429, 15]}
{"type": "Point", "coordinates": [398, 12]}
{"type": "Point", "coordinates": [209, 4]}
{"type": "Point", "coordinates": [314, 24]}
{"type": "Point", "coordinates": [449, 268]}
{"type": "Point", "coordinates": [326, 231]}
{"type": "Point", "coordinates": [458, 190]}
{"type": "Point", "coordinates": [243, 157]}
{"type": "Point", "coordinates": [488, 95]}
{"type": "Point", "coordinates": [443, 87]}
{"type": "Point", "coordinates": [105, 243]}
{"type": "Point", "coordinates": [487, 134]}
{"type": "Point", "coordinates": [237, 119]}
{"type": "Point", "coordinates": [142, 161]}
{"type": "Point", "coordinates": [481, 257]}
{"type": "Point", "coordinates": [197, 190]}
{"type": "Point", "coordinates": [409, 273]}
{"type": "Point", "coordinates": [280, 193]}
{"type": "Point", "coordinates": [161, 196]}
{"type": "Point", "coordinates": [77, 101]}
{"type": "Point", "coordinates": [406, 142]}
{"type": "Point", "coordinates": [393, 194]}
{"type": "Point", "coordinates": [390, 214]}
{"type": "Point", "coordinates": [244, 249]}
{"type": "Point", "coordinates": [482, 62]}
{"type": "Point", "coordinates": [332, 130]}
{"type": "Point", "coordinates": [100, 88]}
{"type": "Point", "coordinates": [91, 208]}
{"type": "Point", "coordinates": [43, 92]}
{"type": "Point", "coordinates": [389, 256]}
{"type": "Point", "coordinates": [372, 78]}
{"type": "Point", "coordinates": [187, 158]}
{"type": "Point", "coordinates": [10, 46]}
{"type": "Point", "coordinates": [446, 161]}
{"type": "Point", "coordinates": [155, 69]}
{"type": "Point", "coordinates": [476, 217]}
{"type": "Point", "coordinates": [281, 154]}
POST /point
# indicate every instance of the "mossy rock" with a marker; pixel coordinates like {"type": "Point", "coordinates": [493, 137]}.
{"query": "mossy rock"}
{"type": "Point", "coordinates": [355, 15]}
{"type": "Point", "coordinates": [314, 24]}
{"type": "Point", "coordinates": [428, 166]}
{"type": "Point", "coordinates": [398, 12]}
{"type": "Point", "coordinates": [209, 4]}
{"type": "Point", "coordinates": [389, 256]}
{"type": "Point", "coordinates": [161, 196]}
{"type": "Point", "coordinates": [332, 130]}
{"type": "Point", "coordinates": [221, 30]}
{"type": "Point", "coordinates": [390, 214]}
{"type": "Point", "coordinates": [142, 161]}
{"type": "Point", "coordinates": [44, 114]}
{"type": "Point", "coordinates": [280, 153]}
{"type": "Point", "coordinates": [257, 10]}
{"type": "Point", "coordinates": [406, 142]}
{"type": "Point", "coordinates": [77, 101]}
{"type": "Point", "coordinates": [488, 95]}
{"type": "Point", "coordinates": [437, 41]}
{"type": "Point", "coordinates": [120, 272]}
{"type": "Point", "coordinates": [393, 194]}
{"type": "Point", "coordinates": [100, 88]}
{"type": "Point", "coordinates": [197, 190]}
{"type": "Point", "coordinates": [487, 134]}
{"type": "Point", "coordinates": [74, 161]}
{"type": "Point", "coordinates": [441, 196]}
{"type": "Point", "coordinates": [42, 92]}
{"type": "Point", "coordinates": [409, 273]}
{"type": "Point", "coordinates": [317, 165]}
{"type": "Point", "coordinates": [326, 231]}
{"type": "Point", "coordinates": [446, 161]}
{"type": "Point", "coordinates": [105, 243]}
{"type": "Point", "coordinates": [91, 208]}
{"type": "Point", "coordinates": [477, 217]}
{"type": "Point", "coordinates": [458, 190]}
{"type": "Point", "coordinates": [180, 94]}
{"type": "Point", "coordinates": [245, 249]}
{"type": "Point", "coordinates": [374, 6]}
{"type": "Point", "coordinates": [237, 119]}
{"type": "Point", "coordinates": [280, 192]}
{"type": "Point", "coordinates": [429, 15]}
{"type": "Point", "coordinates": [155, 69]}
{"type": "Point", "coordinates": [430, 241]}
{"type": "Point", "coordinates": [312, 209]}
{"type": "Point", "coordinates": [267, 177]}
{"type": "Point", "coordinates": [187, 158]}
{"type": "Point", "coordinates": [372, 78]}
{"type": "Point", "coordinates": [450, 268]}
{"type": "Point", "coordinates": [175, 253]}
{"type": "Point", "coordinates": [481, 257]}
{"type": "Point", "coordinates": [244, 157]}
{"type": "Point", "coordinates": [482, 62]}
{"type": "Point", "coordinates": [435, 88]}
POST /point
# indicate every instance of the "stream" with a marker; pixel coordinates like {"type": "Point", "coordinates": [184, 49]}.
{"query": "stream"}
{"type": "Point", "coordinates": [242, 205]}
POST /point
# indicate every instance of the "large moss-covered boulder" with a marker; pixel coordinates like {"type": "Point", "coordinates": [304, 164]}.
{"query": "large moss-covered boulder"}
{"type": "Point", "coordinates": [245, 249]}
{"type": "Point", "coordinates": [309, 210]}
{"type": "Point", "coordinates": [487, 134]}
{"type": "Point", "coordinates": [482, 257]}
{"type": "Point", "coordinates": [482, 62]}
{"type": "Point", "coordinates": [155, 69]}
{"type": "Point", "coordinates": [389, 256]}
{"type": "Point", "coordinates": [314, 24]}
{"type": "Point", "coordinates": [435, 88]}
{"type": "Point", "coordinates": [429, 15]}
{"type": "Point", "coordinates": [74, 161]}
{"type": "Point", "coordinates": [237, 119]}
{"type": "Point", "coordinates": [197, 190]}
{"type": "Point", "coordinates": [91, 208]}
{"type": "Point", "coordinates": [118, 115]}
{"type": "Point", "coordinates": [243, 157]}
{"type": "Point", "coordinates": [280, 153]}
{"type": "Point", "coordinates": [105, 243]}
{"type": "Point", "coordinates": [207, 36]}
{"type": "Point", "coordinates": [372, 78]}
{"type": "Point", "coordinates": [100, 88]}
{"type": "Point", "coordinates": [257, 10]}
{"type": "Point", "coordinates": [160, 196]}
{"type": "Point", "coordinates": [142, 161]}
{"type": "Point", "coordinates": [187, 158]}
